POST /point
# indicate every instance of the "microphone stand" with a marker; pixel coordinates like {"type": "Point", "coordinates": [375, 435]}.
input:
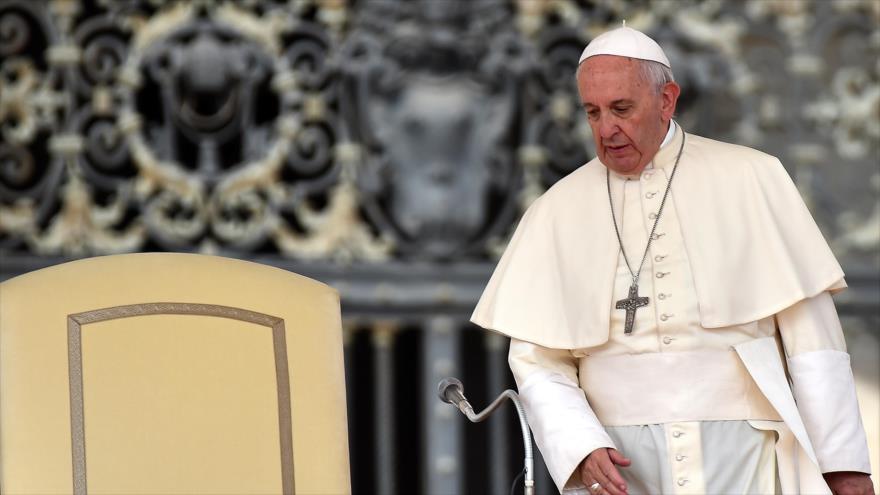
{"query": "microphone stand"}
{"type": "Point", "coordinates": [465, 407]}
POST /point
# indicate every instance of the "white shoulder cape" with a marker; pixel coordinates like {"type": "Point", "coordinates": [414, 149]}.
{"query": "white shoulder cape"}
{"type": "Point", "coordinates": [753, 246]}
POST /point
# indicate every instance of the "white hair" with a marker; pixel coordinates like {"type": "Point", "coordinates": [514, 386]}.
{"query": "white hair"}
{"type": "Point", "coordinates": [656, 74]}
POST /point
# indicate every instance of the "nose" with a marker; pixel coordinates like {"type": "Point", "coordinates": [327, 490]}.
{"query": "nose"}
{"type": "Point", "coordinates": [607, 127]}
{"type": "Point", "coordinates": [440, 171]}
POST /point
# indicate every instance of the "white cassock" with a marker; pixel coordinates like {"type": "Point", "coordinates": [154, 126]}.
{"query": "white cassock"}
{"type": "Point", "coordinates": [740, 324]}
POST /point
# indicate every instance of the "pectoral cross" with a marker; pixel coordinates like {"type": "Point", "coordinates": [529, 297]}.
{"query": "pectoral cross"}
{"type": "Point", "coordinates": [631, 304]}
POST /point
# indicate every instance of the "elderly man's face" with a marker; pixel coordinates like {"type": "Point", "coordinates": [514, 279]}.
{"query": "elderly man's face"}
{"type": "Point", "coordinates": [629, 118]}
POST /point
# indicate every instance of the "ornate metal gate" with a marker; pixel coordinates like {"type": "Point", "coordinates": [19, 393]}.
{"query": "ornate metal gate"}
{"type": "Point", "coordinates": [388, 148]}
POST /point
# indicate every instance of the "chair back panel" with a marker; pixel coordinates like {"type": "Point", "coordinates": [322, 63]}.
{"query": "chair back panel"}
{"type": "Point", "coordinates": [170, 373]}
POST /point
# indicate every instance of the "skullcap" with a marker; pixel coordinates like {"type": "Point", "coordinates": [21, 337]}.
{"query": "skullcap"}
{"type": "Point", "coordinates": [625, 42]}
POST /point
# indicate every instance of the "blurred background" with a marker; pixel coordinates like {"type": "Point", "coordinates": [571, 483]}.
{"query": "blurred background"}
{"type": "Point", "coordinates": [388, 148]}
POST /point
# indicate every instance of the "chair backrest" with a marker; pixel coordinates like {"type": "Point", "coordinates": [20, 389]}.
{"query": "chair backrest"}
{"type": "Point", "coordinates": [171, 373]}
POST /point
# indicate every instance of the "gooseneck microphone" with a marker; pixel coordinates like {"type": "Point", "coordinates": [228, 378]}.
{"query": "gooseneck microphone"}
{"type": "Point", "coordinates": [451, 391]}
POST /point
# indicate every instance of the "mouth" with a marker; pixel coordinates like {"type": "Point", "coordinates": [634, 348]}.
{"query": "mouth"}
{"type": "Point", "coordinates": [616, 149]}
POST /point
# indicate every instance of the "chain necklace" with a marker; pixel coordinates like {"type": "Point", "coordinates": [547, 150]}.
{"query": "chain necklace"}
{"type": "Point", "coordinates": [633, 301]}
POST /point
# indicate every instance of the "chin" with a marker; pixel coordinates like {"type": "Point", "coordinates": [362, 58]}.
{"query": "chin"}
{"type": "Point", "coordinates": [621, 167]}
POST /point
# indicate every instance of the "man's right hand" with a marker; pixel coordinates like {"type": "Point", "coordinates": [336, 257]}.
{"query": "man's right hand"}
{"type": "Point", "coordinates": [598, 467]}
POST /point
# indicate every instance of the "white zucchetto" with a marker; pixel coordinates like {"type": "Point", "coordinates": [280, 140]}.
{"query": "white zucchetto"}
{"type": "Point", "coordinates": [625, 42]}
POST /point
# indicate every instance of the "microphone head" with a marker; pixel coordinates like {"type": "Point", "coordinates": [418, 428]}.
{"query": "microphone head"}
{"type": "Point", "coordinates": [447, 385]}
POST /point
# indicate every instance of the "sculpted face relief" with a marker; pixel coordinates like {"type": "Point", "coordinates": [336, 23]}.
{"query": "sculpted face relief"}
{"type": "Point", "coordinates": [628, 116]}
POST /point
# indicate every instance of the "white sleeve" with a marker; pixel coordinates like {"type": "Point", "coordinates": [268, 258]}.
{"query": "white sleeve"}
{"type": "Point", "coordinates": [823, 385]}
{"type": "Point", "coordinates": [565, 427]}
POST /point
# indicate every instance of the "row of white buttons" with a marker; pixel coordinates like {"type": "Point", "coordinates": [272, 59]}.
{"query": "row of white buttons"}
{"type": "Point", "coordinates": [659, 258]}
{"type": "Point", "coordinates": [680, 458]}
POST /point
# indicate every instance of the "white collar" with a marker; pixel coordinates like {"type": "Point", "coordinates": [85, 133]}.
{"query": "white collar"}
{"type": "Point", "coordinates": [666, 140]}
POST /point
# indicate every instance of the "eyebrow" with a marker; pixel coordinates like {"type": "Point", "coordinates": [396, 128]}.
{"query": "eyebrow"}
{"type": "Point", "coordinates": [625, 101]}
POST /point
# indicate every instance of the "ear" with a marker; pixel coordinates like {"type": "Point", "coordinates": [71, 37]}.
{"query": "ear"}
{"type": "Point", "coordinates": [499, 109]}
{"type": "Point", "coordinates": [377, 115]}
{"type": "Point", "coordinates": [668, 98]}
{"type": "Point", "coordinates": [379, 94]}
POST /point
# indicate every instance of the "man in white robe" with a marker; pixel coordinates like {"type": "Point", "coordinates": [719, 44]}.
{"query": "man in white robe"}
{"type": "Point", "coordinates": [732, 375]}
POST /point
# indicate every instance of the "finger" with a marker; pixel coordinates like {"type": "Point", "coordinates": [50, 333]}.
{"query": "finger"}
{"type": "Point", "coordinates": [618, 458]}
{"type": "Point", "coordinates": [593, 474]}
{"type": "Point", "coordinates": [615, 481]}
{"type": "Point", "coordinates": [597, 467]}
{"type": "Point", "coordinates": [600, 473]}
{"type": "Point", "coordinates": [589, 484]}
{"type": "Point", "coordinates": [590, 466]}
{"type": "Point", "coordinates": [603, 491]}
{"type": "Point", "coordinates": [608, 489]}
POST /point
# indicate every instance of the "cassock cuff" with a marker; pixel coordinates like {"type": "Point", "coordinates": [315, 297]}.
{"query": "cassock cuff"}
{"type": "Point", "coordinates": [565, 427]}
{"type": "Point", "coordinates": [823, 386]}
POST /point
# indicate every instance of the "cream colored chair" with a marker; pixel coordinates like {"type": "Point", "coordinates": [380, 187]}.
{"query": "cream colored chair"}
{"type": "Point", "coordinates": [170, 373]}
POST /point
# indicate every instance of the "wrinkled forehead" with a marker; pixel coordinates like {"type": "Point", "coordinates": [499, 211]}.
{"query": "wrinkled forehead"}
{"type": "Point", "coordinates": [610, 76]}
{"type": "Point", "coordinates": [608, 65]}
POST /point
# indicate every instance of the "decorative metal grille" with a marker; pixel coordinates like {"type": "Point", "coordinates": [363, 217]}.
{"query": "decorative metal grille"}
{"type": "Point", "coordinates": [388, 148]}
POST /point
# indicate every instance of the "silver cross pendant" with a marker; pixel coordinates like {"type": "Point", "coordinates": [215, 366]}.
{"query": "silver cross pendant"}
{"type": "Point", "coordinates": [631, 304]}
